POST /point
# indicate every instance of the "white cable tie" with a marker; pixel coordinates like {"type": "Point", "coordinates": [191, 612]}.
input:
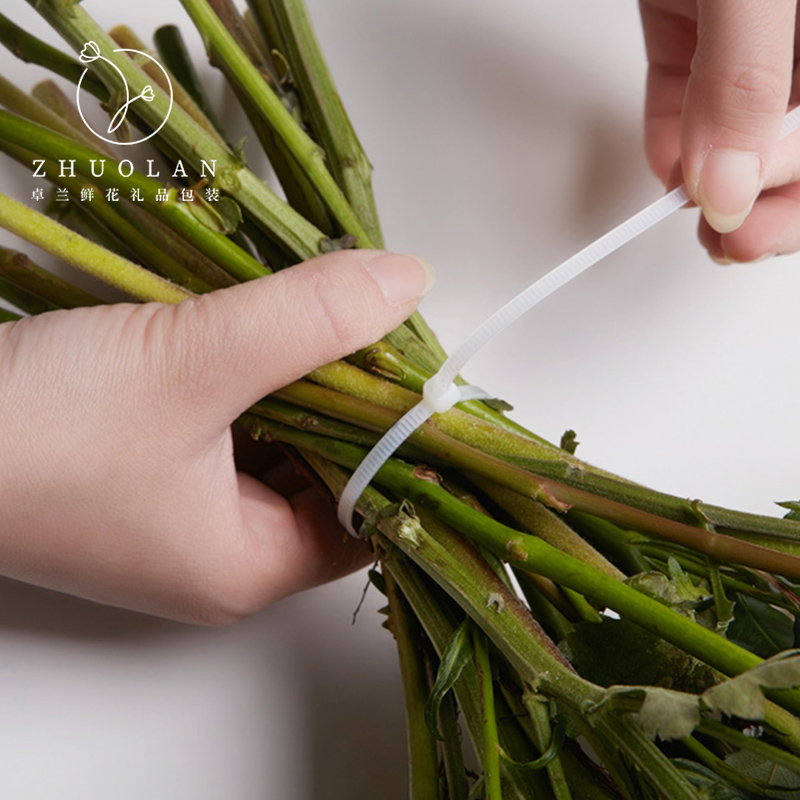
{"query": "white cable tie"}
{"type": "Point", "coordinates": [440, 392]}
{"type": "Point", "coordinates": [432, 402]}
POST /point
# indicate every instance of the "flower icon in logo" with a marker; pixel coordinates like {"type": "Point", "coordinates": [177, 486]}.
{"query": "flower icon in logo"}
{"type": "Point", "coordinates": [91, 54]}
{"type": "Point", "coordinates": [148, 95]}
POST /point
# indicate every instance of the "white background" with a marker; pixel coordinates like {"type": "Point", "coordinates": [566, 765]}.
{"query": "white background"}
{"type": "Point", "coordinates": [505, 136]}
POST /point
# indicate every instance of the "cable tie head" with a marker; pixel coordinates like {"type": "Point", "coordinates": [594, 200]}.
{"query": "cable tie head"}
{"type": "Point", "coordinates": [440, 398]}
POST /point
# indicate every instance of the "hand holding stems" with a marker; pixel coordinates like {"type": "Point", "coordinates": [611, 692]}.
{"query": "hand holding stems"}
{"type": "Point", "coordinates": [139, 504]}
{"type": "Point", "coordinates": [721, 77]}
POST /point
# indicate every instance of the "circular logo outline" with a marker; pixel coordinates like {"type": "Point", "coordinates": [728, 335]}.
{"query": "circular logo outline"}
{"type": "Point", "coordinates": [127, 92]}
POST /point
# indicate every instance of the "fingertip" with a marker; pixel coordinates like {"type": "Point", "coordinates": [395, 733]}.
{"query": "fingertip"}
{"type": "Point", "coordinates": [402, 279]}
{"type": "Point", "coordinates": [727, 187]}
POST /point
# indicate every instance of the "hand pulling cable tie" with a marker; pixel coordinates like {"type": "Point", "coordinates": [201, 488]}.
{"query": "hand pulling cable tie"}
{"type": "Point", "coordinates": [440, 393]}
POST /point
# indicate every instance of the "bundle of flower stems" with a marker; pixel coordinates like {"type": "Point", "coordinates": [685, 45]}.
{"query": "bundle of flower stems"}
{"type": "Point", "coordinates": [562, 633]}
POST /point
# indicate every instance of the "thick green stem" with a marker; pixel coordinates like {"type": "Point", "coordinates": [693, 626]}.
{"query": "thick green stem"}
{"type": "Point", "coordinates": [34, 51]}
{"type": "Point", "coordinates": [127, 39]}
{"type": "Point", "coordinates": [554, 494]}
{"type": "Point", "coordinates": [85, 255]}
{"type": "Point", "coordinates": [184, 136]}
{"type": "Point", "coordinates": [389, 362]}
{"type": "Point", "coordinates": [741, 741]}
{"type": "Point", "coordinates": [540, 521]}
{"type": "Point", "coordinates": [531, 554]}
{"type": "Point", "coordinates": [422, 751]}
{"type": "Point", "coordinates": [24, 300]}
{"type": "Point", "coordinates": [178, 215]}
{"type": "Point", "coordinates": [8, 316]}
{"type": "Point", "coordinates": [175, 57]}
{"type": "Point", "coordinates": [307, 153]}
{"type": "Point", "coordinates": [631, 739]}
{"type": "Point", "coordinates": [299, 189]}
{"type": "Point", "coordinates": [328, 118]}
{"type": "Point", "coordinates": [432, 614]}
{"type": "Point", "coordinates": [466, 427]}
{"type": "Point", "coordinates": [19, 269]}
{"type": "Point", "coordinates": [537, 709]}
{"type": "Point", "coordinates": [452, 755]}
{"type": "Point", "coordinates": [491, 743]}
{"type": "Point", "coordinates": [127, 238]}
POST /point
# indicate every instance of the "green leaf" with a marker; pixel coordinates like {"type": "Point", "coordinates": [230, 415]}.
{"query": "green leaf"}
{"type": "Point", "coordinates": [496, 404]}
{"type": "Point", "coordinates": [794, 509]}
{"type": "Point", "coordinates": [553, 749]}
{"type": "Point", "coordinates": [760, 628]}
{"type": "Point", "coordinates": [569, 441]}
{"type": "Point", "coordinates": [668, 714]}
{"type": "Point", "coordinates": [346, 242]}
{"type": "Point", "coordinates": [677, 590]}
{"type": "Point", "coordinates": [776, 780]}
{"type": "Point", "coordinates": [619, 652]}
{"type": "Point", "coordinates": [458, 654]}
{"type": "Point", "coordinates": [723, 607]}
{"type": "Point", "coordinates": [711, 785]}
{"type": "Point", "coordinates": [743, 697]}
{"type": "Point", "coordinates": [223, 216]}
{"type": "Point", "coordinates": [662, 712]}
{"type": "Point", "coordinates": [377, 580]}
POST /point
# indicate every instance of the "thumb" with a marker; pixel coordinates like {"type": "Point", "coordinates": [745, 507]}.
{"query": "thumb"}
{"type": "Point", "coordinates": [735, 101]}
{"type": "Point", "coordinates": [232, 347]}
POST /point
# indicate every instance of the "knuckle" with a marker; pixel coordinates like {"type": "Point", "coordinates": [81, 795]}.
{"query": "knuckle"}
{"type": "Point", "coordinates": [335, 312]}
{"type": "Point", "coordinates": [754, 89]}
{"type": "Point", "coordinates": [228, 596]}
{"type": "Point", "coordinates": [182, 344]}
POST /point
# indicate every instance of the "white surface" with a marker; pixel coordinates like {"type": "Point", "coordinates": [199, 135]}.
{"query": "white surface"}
{"type": "Point", "coordinates": [505, 136]}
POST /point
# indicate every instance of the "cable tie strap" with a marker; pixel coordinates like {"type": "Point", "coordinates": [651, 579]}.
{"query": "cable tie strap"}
{"type": "Point", "coordinates": [436, 399]}
{"type": "Point", "coordinates": [440, 393]}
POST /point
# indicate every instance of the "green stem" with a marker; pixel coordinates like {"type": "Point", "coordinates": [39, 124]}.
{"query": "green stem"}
{"type": "Point", "coordinates": [741, 741]}
{"type": "Point", "coordinates": [31, 50]}
{"type": "Point", "coordinates": [452, 755]}
{"type": "Point", "coordinates": [299, 189]}
{"type": "Point", "coordinates": [422, 751]}
{"type": "Point", "coordinates": [19, 269]}
{"type": "Point", "coordinates": [175, 57]}
{"type": "Point", "coordinates": [539, 715]}
{"type": "Point", "coordinates": [630, 739]}
{"type": "Point", "coordinates": [307, 153]}
{"type": "Point", "coordinates": [328, 118]}
{"type": "Point", "coordinates": [617, 543]}
{"type": "Point", "coordinates": [655, 503]}
{"type": "Point", "coordinates": [540, 521]}
{"type": "Point", "coordinates": [126, 38]}
{"type": "Point", "coordinates": [85, 255]}
{"type": "Point", "coordinates": [24, 300]}
{"type": "Point", "coordinates": [185, 137]}
{"type": "Point", "coordinates": [178, 215]}
{"type": "Point", "coordinates": [506, 622]}
{"type": "Point", "coordinates": [8, 316]}
{"type": "Point", "coordinates": [491, 743]}
{"type": "Point", "coordinates": [430, 610]}
{"type": "Point", "coordinates": [545, 611]}
{"type": "Point", "coordinates": [101, 211]}
{"type": "Point", "coordinates": [554, 494]}
{"type": "Point", "coordinates": [397, 366]}
{"type": "Point", "coordinates": [529, 553]}
{"type": "Point", "coordinates": [466, 427]}
{"type": "Point", "coordinates": [172, 256]}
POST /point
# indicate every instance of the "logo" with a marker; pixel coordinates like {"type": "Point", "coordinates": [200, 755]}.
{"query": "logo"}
{"type": "Point", "coordinates": [90, 54]}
